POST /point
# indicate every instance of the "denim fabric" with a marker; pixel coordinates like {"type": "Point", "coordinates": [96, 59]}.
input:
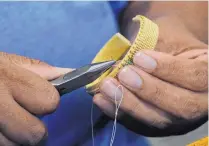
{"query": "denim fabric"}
{"type": "Point", "coordinates": [65, 34]}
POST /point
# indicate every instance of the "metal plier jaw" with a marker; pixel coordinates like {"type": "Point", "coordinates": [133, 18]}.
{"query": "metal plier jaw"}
{"type": "Point", "coordinates": [80, 77]}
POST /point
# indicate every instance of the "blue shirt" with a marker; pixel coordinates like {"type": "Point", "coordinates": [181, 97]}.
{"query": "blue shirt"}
{"type": "Point", "coordinates": [65, 34]}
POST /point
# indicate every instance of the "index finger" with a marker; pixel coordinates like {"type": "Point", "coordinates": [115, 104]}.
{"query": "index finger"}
{"type": "Point", "coordinates": [188, 73]}
{"type": "Point", "coordinates": [28, 89]}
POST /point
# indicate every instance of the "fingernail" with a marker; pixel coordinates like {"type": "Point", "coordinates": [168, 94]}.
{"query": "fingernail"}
{"type": "Point", "coordinates": [130, 77]}
{"type": "Point", "coordinates": [63, 70]}
{"type": "Point", "coordinates": [111, 90]}
{"type": "Point", "coordinates": [145, 61]}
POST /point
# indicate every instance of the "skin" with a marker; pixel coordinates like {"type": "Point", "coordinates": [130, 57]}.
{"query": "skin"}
{"type": "Point", "coordinates": [25, 92]}
{"type": "Point", "coordinates": [166, 90]}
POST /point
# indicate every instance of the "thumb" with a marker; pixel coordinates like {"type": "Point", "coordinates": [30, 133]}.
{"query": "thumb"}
{"type": "Point", "coordinates": [43, 69]}
{"type": "Point", "coordinates": [48, 72]}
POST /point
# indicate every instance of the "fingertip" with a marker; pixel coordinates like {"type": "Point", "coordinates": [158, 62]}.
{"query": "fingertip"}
{"type": "Point", "coordinates": [43, 141]}
{"type": "Point", "coordinates": [52, 102]}
{"type": "Point", "coordinates": [99, 100]}
{"type": "Point", "coordinates": [48, 102]}
{"type": "Point", "coordinates": [96, 98]}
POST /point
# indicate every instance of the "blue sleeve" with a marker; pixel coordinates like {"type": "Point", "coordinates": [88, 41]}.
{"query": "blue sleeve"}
{"type": "Point", "coordinates": [117, 7]}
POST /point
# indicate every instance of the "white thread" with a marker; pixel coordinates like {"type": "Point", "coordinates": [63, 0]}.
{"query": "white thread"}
{"type": "Point", "coordinates": [92, 120]}
{"type": "Point", "coordinates": [117, 106]}
{"type": "Point", "coordinates": [92, 123]}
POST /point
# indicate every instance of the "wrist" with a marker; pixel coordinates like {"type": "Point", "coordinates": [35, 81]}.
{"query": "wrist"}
{"type": "Point", "coordinates": [174, 37]}
{"type": "Point", "coordinates": [190, 16]}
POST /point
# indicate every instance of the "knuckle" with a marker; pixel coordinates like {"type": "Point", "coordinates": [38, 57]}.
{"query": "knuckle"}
{"type": "Point", "coordinates": [160, 120]}
{"type": "Point", "coordinates": [38, 62]}
{"type": "Point", "coordinates": [37, 133]}
{"type": "Point", "coordinates": [155, 95]}
{"type": "Point", "coordinates": [191, 110]}
{"type": "Point", "coordinates": [133, 108]}
{"type": "Point", "coordinates": [164, 45]}
{"type": "Point", "coordinates": [199, 80]}
{"type": "Point", "coordinates": [3, 56]}
{"type": "Point", "coordinates": [173, 67]}
{"type": "Point", "coordinates": [12, 58]}
{"type": "Point", "coordinates": [20, 60]}
{"type": "Point", "coordinates": [161, 124]}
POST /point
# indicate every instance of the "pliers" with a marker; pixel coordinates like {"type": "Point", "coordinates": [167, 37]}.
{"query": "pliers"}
{"type": "Point", "coordinates": [80, 77]}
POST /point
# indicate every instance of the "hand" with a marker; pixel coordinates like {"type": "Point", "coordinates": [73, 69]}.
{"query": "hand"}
{"type": "Point", "coordinates": [160, 90]}
{"type": "Point", "coordinates": [25, 92]}
{"type": "Point", "coordinates": [164, 94]}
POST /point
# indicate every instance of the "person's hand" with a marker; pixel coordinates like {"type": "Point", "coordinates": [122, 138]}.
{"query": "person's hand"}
{"type": "Point", "coordinates": [25, 92]}
{"type": "Point", "coordinates": [164, 94]}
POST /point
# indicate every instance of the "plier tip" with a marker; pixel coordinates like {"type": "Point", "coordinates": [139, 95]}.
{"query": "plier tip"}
{"type": "Point", "coordinates": [81, 76]}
